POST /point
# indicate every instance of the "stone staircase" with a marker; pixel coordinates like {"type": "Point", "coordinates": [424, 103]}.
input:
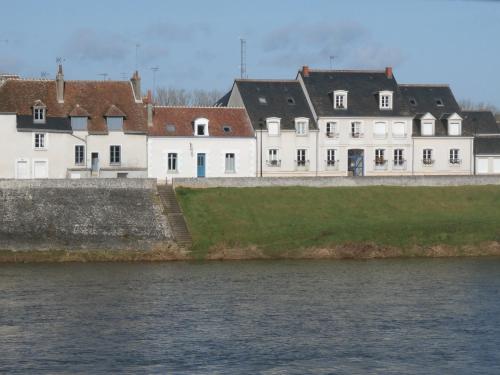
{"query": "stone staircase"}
{"type": "Point", "coordinates": [175, 217]}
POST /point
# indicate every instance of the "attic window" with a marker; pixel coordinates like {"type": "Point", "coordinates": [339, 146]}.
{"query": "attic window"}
{"type": "Point", "coordinates": [262, 100]}
{"type": "Point", "coordinates": [413, 101]}
{"type": "Point", "coordinates": [39, 114]}
{"type": "Point", "coordinates": [439, 102]}
{"type": "Point", "coordinates": [170, 128]}
{"type": "Point", "coordinates": [340, 99]}
{"type": "Point", "coordinates": [114, 123]}
{"type": "Point", "coordinates": [227, 129]}
{"type": "Point", "coordinates": [291, 100]}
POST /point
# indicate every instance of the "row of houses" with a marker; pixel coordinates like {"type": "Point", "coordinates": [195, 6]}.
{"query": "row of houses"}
{"type": "Point", "coordinates": [322, 123]}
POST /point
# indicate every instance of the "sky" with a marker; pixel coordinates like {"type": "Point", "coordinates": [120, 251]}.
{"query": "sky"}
{"type": "Point", "coordinates": [196, 44]}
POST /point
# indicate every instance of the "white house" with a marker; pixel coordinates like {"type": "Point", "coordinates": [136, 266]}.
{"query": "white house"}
{"type": "Point", "coordinates": [287, 134]}
{"type": "Point", "coordinates": [199, 142]}
{"type": "Point", "coordinates": [59, 129]}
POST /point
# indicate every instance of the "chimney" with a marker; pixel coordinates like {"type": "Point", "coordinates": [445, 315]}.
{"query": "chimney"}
{"type": "Point", "coordinates": [388, 72]}
{"type": "Point", "coordinates": [305, 71]}
{"type": "Point", "coordinates": [149, 107]}
{"type": "Point", "coordinates": [136, 85]}
{"type": "Point", "coordinates": [60, 85]}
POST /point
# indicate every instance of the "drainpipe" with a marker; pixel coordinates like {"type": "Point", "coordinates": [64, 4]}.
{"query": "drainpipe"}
{"type": "Point", "coordinates": [413, 156]}
{"type": "Point", "coordinates": [317, 152]}
{"type": "Point", "coordinates": [260, 149]}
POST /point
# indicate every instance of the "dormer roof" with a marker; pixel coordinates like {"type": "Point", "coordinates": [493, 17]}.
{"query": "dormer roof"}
{"type": "Point", "coordinates": [114, 111]}
{"type": "Point", "coordinates": [79, 111]}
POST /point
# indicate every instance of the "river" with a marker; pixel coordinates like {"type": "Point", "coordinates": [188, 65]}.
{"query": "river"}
{"type": "Point", "coordinates": [413, 316]}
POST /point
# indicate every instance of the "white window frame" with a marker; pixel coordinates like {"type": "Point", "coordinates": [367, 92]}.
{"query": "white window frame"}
{"type": "Point", "coordinates": [331, 158]}
{"type": "Point", "coordinates": [458, 125]}
{"type": "Point", "coordinates": [119, 154]}
{"type": "Point", "coordinates": [273, 157]}
{"type": "Point", "coordinates": [301, 126]}
{"type": "Point", "coordinates": [385, 100]}
{"type": "Point", "coordinates": [359, 132]}
{"type": "Point", "coordinates": [273, 121]}
{"type": "Point", "coordinates": [301, 155]}
{"type": "Point", "coordinates": [45, 141]}
{"type": "Point", "coordinates": [397, 135]}
{"type": "Point", "coordinates": [75, 159]}
{"type": "Point", "coordinates": [340, 99]}
{"type": "Point", "coordinates": [331, 129]}
{"type": "Point", "coordinates": [380, 160]}
{"type": "Point", "coordinates": [172, 158]}
{"type": "Point", "coordinates": [226, 169]}
{"type": "Point", "coordinates": [380, 135]}
{"type": "Point", "coordinates": [399, 157]}
{"type": "Point", "coordinates": [201, 122]}
{"type": "Point", "coordinates": [427, 154]}
{"type": "Point", "coordinates": [455, 156]}
{"type": "Point", "coordinates": [33, 164]}
{"type": "Point", "coordinates": [39, 114]}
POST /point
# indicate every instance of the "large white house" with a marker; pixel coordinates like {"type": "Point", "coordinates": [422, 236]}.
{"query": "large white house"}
{"type": "Point", "coordinates": [60, 129]}
{"type": "Point", "coordinates": [199, 142]}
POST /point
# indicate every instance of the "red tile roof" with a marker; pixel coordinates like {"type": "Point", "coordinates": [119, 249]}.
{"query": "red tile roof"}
{"type": "Point", "coordinates": [183, 120]}
{"type": "Point", "coordinates": [19, 96]}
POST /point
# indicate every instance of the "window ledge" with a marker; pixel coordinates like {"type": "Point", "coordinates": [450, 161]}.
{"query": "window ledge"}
{"type": "Point", "coordinates": [173, 171]}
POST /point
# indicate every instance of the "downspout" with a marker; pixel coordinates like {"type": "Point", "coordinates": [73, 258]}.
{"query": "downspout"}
{"type": "Point", "coordinates": [413, 156]}
{"type": "Point", "coordinates": [317, 153]}
{"type": "Point", "coordinates": [260, 149]}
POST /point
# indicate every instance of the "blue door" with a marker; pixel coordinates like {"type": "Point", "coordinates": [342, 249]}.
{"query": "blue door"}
{"type": "Point", "coordinates": [201, 165]}
{"type": "Point", "coordinates": [356, 162]}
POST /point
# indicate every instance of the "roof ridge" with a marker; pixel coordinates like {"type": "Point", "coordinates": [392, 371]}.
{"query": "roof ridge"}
{"type": "Point", "coordinates": [346, 71]}
{"type": "Point", "coordinates": [97, 80]}
{"type": "Point", "coordinates": [424, 84]}
{"type": "Point", "coordinates": [266, 80]}
{"type": "Point", "coordinates": [30, 79]}
{"type": "Point", "coordinates": [195, 107]}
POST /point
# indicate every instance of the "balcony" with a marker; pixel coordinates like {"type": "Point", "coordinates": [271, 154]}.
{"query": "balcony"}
{"type": "Point", "coordinates": [399, 164]}
{"type": "Point", "coordinates": [428, 162]}
{"type": "Point", "coordinates": [380, 164]}
{"type": "Point", "coordinates": [273, 163]}
{"type": "Point", "coordinates": [357, 135]}
{"type": "Point", "coordinates": [332, 165]}
{"type": "Point", "coordinates": [301, 165]}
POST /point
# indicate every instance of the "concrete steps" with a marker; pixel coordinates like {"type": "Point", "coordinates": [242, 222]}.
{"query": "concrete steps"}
{"type": "Point", "coordinates": [175, 217]}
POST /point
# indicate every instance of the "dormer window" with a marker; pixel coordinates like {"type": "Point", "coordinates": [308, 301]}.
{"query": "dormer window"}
{"type": "Point", "coordinates": [290, 100]}
{"type": "Point", "coordinates": [79, 123]}
{"type": "Point", "coordinates": [428, 127]}
{"type": "Point", "coordinates": [114, 123]}
{"type": "Point", "coordinates": [413, 102]}
{"type": "Point", "coordinates": [340, 99]}
{"type": "Point", "coordinates": [385, 99]}
{"type": "Point", "coordinates": [439, 102]}
{"type": "Point", "coordinates": [454, 125]}
{"type": "Point", "coordinates": [262, 100]}
{"type": "Point", "coordinates": [39, 112]}
{"type": "Point", "coordinates": [273, 126]}
{"type": "Point", "coordinates": [201, 127]}
{"type": "Point", "coordinates": [301, 125]}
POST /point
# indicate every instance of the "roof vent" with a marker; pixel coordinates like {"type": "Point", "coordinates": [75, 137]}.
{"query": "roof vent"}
{"type": "Point", "coordinates": [439, 102]}
{"type": "Point", "coordinates": [413, 101]}
{"type": "Point", "coordinates": [170, 128]}
{"type": "Point", "coordinates": [226, 128]}
{"type": "Point", "coordinates": [262, 100]}
{"type": "Point", "coordinates": [290, 100]}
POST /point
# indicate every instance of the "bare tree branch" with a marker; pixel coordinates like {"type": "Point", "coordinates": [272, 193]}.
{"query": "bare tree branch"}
{"type": "Point", "coordinates": [171, 96]}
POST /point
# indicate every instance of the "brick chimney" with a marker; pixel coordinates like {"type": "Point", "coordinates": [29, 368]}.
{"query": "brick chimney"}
{"type": "Point", "coordinates": [136, 85]}
{"type": "Point", "coordinates": [60, 85]}
{"type": "Point", "coordinates": [388, 72]}
{"type": "Point", "coordinates": [305, 71]}
{"type": "Point", "coordinates": [149, 107]}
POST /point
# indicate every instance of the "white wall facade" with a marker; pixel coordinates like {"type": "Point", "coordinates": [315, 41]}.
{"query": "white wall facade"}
{"type": "Point", "coordinates": [187, 150]}
{"type": "Point", "coordinates": [440, 147]}
{"type": "Point", "coordinates": [487, 164]}
{"type": "Point", "coordinates": [342, 141]}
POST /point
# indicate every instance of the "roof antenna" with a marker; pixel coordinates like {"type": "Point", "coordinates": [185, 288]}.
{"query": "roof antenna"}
{"type": "Point", "coordinates": [104, 76]}
{"type": "Point", "coordinates": [154, 69]}
{"type": "Point", "coordinates": [331, 61]}
{"type": "Point", "coordinates": [243, 58]}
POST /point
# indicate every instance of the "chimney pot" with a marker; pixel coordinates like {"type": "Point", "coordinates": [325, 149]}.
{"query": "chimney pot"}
{"type": "Point", "coordinates": [136, 85]}
{"type": "Point", "coordinates": [149, 107]}
{"type": "Point", "coordinates": [388, 72]}
{"type": "Point", "coordinates": [60, 84]}
{"type": "Point", "coordinates": [305, 71]}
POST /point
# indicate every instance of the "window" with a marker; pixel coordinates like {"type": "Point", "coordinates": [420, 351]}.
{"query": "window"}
{"type": "Point", "coordinates": [79, 123]}
{"type": "Point", "coordinates": [273, 158]}
{"type": "Point", "coordinates": [290, 100]}
{"type": "Point", "coordinates": [413, 102]}
{"type": "Point", "coordinates": [172, 162]}
{"type": "Point", "coordinates": [170, 128]}
{"type": "Point", "coordinates": [262, 100]}
{"type": "Point", "coordinates": [340, 99]}
{"type": "Point", "coordinates": [454, 156]}
{"type": "Point", "coordinates": [385, 100]}
{"type": "Point", "coordinates": [79, 155]}
{"type": "Point", "coordinates": [380, 130]}
{"type": "Point", "coordinates": [399, 130]}
{"type": "Point", "coordinates": [330, 157]}
{"type": "Point", "coordinates": [40, 141]}
{"type": "Point", "coordinates": [301, 127]}
{"type": "Point", "coordinates": [39, 114]}
{"type": "Point", "coordinates": [454, 128]}
{"type": "Point", "coordinates": [301, 157]}
{"type": "Point", "coordinates": [230, 167]}
{"type": "Point", "coordinates": [115, 154]}
{"type": "Point", "coordinates": [439, 102]}
{"type": "Point", "coordinates": [114, 123]}
{"type": "Point", "coordinates": [427, 157]}
{"type": "Point", "coordinates": [399, 157]}
{"type": "Point", "coordinates": [226, 129]}
{"type": "Point", "coordinates": [273, 126]}
{"type": "Point", "coordinates": [331, 129]}
{"type": "Point", "coordinates": [356, 129]}
{"type": "Point", "coordinates": [428, 128]}
{"type": "Point", "coordinates": [380, 157]}
{"type": "Point", "coordinates": [200, 130]}
{"type": "Point", "coordinates": [201, 127]}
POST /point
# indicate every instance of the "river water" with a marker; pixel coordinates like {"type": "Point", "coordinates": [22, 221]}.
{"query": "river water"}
{"type": "Point", "coordinates": [418, 316]}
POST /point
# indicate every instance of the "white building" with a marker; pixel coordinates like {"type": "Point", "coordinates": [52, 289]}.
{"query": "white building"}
{"type": "Point", "coordinates": [60, 129]}
{"type": "Point", "coordinates": [486, 141]}
{"type": "Point", "coordinates": [187, 142]}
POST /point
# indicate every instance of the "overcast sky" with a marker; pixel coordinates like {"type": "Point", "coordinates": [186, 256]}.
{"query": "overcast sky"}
{"type": "Point", "coordinates": [196, 44]}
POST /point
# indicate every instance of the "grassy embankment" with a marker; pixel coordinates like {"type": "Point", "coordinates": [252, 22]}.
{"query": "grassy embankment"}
{"type": "Point", "coordinates": [354, 222]}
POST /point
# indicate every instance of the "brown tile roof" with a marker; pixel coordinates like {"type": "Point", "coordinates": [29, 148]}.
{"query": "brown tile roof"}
{"type": "Point", "coordinates": [19, 96]}
{"type": "Point", "coordinates": [114, 111]}
{"type": "Point", "coordinates": [79, 111]}
{"type": "Point", "coordinates": [218, 117]}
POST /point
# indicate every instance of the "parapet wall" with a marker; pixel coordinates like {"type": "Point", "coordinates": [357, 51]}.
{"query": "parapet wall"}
{"type": "Point", "coordinates": [94, 214]}
{"type": "Point", "coordinates": [337, 181]}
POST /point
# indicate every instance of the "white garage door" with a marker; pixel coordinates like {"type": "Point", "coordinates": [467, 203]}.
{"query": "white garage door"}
{"type": "Point", "coordinates": [40, 169]}
{"type": "Point", "coordinates": [496, 165]}
{"type": "Point", "coordinates": [22, 169]}
{"type": "Point", "coordinates": [482, 166]}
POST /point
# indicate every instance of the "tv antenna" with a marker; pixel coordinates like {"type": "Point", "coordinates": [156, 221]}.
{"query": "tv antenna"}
{"type": "Point", "coordinates": [154, 69]}
{"type": "Point", "coordinates": [124, 76]}
{"type": "Point", "coordinates": [44, 74]}
{"type": "Point", "coordinates": [104, 76]}
{"type": "Point", "coordinates": [331, 61]}
{"type": "Point", "coordinates": [137, 56]}
{"type": "Point", "coordinates": [243, 58]}
{"type": "Point", "coordinates": [60, 60]}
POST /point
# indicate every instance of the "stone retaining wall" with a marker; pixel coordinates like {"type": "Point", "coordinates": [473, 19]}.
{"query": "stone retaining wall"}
{"type": "Point", "coordinates": [94, 214]}
{"type": "Point", "coordinates": [337, 181]}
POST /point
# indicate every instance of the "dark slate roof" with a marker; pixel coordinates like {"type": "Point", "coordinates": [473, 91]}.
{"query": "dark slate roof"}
{"type": "Point", "coordinates": [284, 99]}
{"type": "Point", "coordinates": [363, 88]}
{"type": "Point", "coordinates": [487, 146]}
{"type": "Point", "coordinates": [55, 124]}
{"type": "Point", "coordinates": [223, 102]}
{"type": "Point", "coordinates": [422, 99]}
{"type": "Point", "coordinates": [480, 122]}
